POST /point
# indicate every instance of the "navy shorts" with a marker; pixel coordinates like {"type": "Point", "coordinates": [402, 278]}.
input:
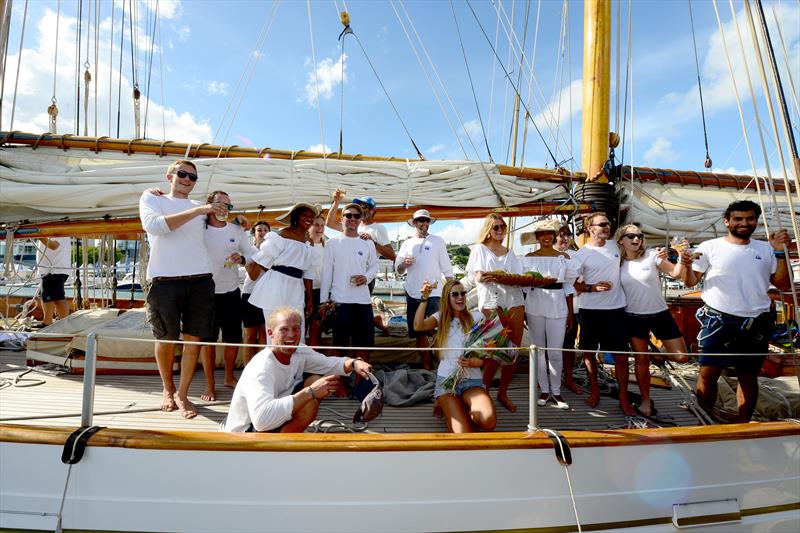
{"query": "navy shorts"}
{"type": "Point", "coordinates": [252, 316]}
{"type": "Point", "coordinates": [603, 329]}
{"type": "Point", "coordinates": [661, 324]}
{"type": "Point", "coordinates": [724, 333]}
{"type": "Point", "coordinates": [53, 287]}
{"type": "Point", "coordinates": [227, 317]}
{"type": "Point", "coordinates": [411, 309]}
{"type": "Point", "coordinates": [354, 324]}
{"type": "Point", "coordinates": [176, 306]}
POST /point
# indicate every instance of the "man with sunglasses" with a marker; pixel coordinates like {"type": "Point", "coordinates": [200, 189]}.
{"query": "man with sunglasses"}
{"type": "Point", "coordinates": [350, 264]}
{"type": "Point", "coordinates": [423, 258]}
{"type": "Point", "coordinates": [228, 248]}
{"type": "Point", "coordinates": [602, 303]}
{"type": "Point", "coordinates": [737, 316]}
{"type": "Point", "coordinates": [181, 295]}
{"type": "Point", "coordinates": [367, 228]}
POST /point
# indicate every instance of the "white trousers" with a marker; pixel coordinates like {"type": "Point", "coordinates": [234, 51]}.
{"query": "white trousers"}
{"type": "Point", "coordinates": [548, 332]}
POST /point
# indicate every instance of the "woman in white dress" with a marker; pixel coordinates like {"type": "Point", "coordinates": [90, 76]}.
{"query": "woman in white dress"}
{"type": "Point", "coordinates": [255, 331]}
{"type": "Point", "coordinates": [287, 259]}
{"type": "Point", "coordinates": [548, 309]}
{"type": "Point", "coordinates": [468, 405]}
{"type": "Point", "coordinates": [646, 308]}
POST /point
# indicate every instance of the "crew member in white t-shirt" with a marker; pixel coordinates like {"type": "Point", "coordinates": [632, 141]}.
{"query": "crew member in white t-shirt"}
{"type": "Point", "coordinates": [228, 248]}
{"type": "Point", "coordinates": [181, 295]}
{"type": "Point", "coordinates": [422, 258]}
{"type": "Point", "coordinates": [350, 264]}
{"type": "Point", "coordinates": [646, 308]}
{"type": "Point", "coordinates": [737, 316]}
{"type": "Point", "coordinates": [602, 303]}
{"type": "Point", "coordinates": [53, 259]}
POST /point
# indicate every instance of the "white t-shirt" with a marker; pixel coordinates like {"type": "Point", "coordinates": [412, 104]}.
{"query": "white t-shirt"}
{"type": "Point", "coordinates": [275, 289]}
{"type": "Point", "coordinates": [737, 276]}
{"type": "Point", "coordinates": [220, 244]}
{"type": "Point", "coordinates": [455, 344]}
{"type": "Point", "coordinates": [263, 395]}
{"type": "Point", "coordinates": [549, 303]}
{"type": "Point", "coordinates": [377, 231]}
{"type": "Point", "coordinates": [642, 284]}
{"type": "Point", "coordinates": [595, 264]}
{"type": "Point", "coordinates": [56, 261]}
{"type": "Point", "coordinates": [346, 257]}
{"type": "Point", "coordinates": [494, 295]}
{"type": "Point", "coordinates": [431, 263]}
{"type": "Point", "coordinates": [178, 252]}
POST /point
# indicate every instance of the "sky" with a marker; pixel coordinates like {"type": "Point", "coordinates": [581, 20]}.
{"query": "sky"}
{"type": "Point", "coordinates": [245, 73]}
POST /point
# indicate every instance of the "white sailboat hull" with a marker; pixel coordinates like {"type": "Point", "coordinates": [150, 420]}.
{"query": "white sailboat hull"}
{"type": "Point", "coordinates": [621, 480]}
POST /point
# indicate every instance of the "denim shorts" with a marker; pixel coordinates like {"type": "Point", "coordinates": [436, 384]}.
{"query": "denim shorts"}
{"type": "Point", "coordinates": [461, 386]}
{"type": "Point", "coordinates": [724, 333]}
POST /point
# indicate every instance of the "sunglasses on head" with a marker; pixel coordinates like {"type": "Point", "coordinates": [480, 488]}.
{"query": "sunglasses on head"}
{"type": "Point", "coordinates": [456, 294]}
{"type": "Point", "coordinates": [499, 227]}
{"type": "Point", "coordinates": [183, 174]}
{"type": "Point", "coordinates": [352, 215]}
{"type": "Point", "coordinates": [632, 236]}
{"type": "Point", "coordinates": [603, 224]}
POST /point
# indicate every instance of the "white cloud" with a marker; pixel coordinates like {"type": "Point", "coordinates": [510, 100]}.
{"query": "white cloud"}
{"type": "Point", "coordinates": [435, 149]}
{"type": "Point", "coordinates": [168, 9]}
{"type": "Point", "coordinates": [329, 74]}
{"type": "Point", "coordinates": [217, 87]}
{"type": "Point", "coordinates": [36, 82]}
{"type": "Point", "coordinates": [320, 149]}
{"type": "Point", "coordinates": [183, 33]}
{"type": "Point", "coordinates": [660, 152]}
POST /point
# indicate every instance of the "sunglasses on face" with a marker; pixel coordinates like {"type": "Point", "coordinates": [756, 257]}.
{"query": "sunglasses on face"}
{"type": "Point", "coordinates": [632, 236]}
{"type": "Point", "coordinates": [456, 294]}
{"type": "Point", "coordinates": [356, 216]}
{"type": "Point", "coordinates": [183, 174]}
{"type": "Point", "coordinates": [422, 220]}
{"type": "Point", "coordinates": [603, 224]}
{"type": "Point", "coordinates": [229, 207]}
{"type": "Point", "coordinates": [499, 227]}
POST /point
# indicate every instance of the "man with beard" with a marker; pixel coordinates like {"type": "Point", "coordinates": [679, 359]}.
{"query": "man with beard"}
{"type": "Point", "coordinates": [422, 258]}
{"type": "Point", "coordinates": [737, 316]}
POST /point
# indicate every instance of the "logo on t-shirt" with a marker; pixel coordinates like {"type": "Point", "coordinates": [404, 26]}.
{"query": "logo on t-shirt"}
{"type": "Point", "coordinates": [360, 252]}
{"type": "Point", "coordinates": [231, 240]}
{"type": "Point", "coordinates": [427, 246]}
{"type": "Point", "coordinates": [758, 257]}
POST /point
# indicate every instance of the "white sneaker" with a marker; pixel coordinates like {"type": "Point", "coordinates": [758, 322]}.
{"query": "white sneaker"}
{"type": "Point", "coordinates": [560, 404]}
{"type": "Point", "coordinates": [541, 402]}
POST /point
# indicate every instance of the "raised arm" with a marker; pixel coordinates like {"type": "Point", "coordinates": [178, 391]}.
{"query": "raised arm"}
{"type": "Point", "coordinates": [421, 322]}
{"type": "Point", "coordinates": [331, 220]}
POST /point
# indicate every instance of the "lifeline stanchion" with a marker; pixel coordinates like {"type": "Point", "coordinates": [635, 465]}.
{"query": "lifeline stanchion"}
{"type": "Point", "coordinates": [89, 375]}
{"type": "Point", "coordinates": [534, 356]}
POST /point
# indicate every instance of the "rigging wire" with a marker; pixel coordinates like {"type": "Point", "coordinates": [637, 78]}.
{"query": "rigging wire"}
{"type": "Point", "coordinates": [708, 162]}
{"type": "Point", "coordinates": [87, 75]}
{"type": "Point", "coordinates": [316, 88]}
{"type": "Point", "coordinates": [538, 131]}
{"type": "Point", "coordinates": [150, 66]}
{"type": "Point", "coordinates": [111, 68]}
{"type": "Point", "coordinates": [161, 81]}
{"type": "Point", "coordinates": [616, 85]}
{"type": "Point", "coordinates": [78, 68]}
{"type": "Point", "coordinates": [345, 18]}
{"type": "Point", "coordinates": [471, 84]}
{"type": "Point", "coordinates": [52, 111]}
{"type": "Point", "coordinates": [493, 71]}
{"type": "Point", "coordinates": [427, 75]}
{"type": "Point", "coordinates": [19, 62]}
{"type": "Point", "coordinates": [119, 72]}
{"type": "Point", "coordinates": [790, 77]}
{"type": "Point", "coordinates": [96, 58]}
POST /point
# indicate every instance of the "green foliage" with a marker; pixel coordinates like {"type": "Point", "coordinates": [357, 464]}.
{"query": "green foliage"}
{"type": "Point", "coordinates": [459, 254]}
{"type": "Point", "coordinates": [93, 254]}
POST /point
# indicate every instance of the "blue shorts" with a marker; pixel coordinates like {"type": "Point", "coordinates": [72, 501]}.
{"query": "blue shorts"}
{"type": "Point", "coordinates": [461, 387]}
{"type": "Point", "coordinates": [724, 333]}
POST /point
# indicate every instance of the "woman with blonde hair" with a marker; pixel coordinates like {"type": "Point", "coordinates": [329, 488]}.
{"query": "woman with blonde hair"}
{"type": "Point", "coordinates": [646, 308]}
{"type": "Point", "coordinates": [496, 270]}
{"type": "Point", "coordinates": [468, 406]}
{"type": "Point", "coordinates": [316, 238]}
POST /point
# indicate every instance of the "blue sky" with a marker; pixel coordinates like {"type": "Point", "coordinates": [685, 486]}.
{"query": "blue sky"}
{"type": "Point", "coordinates": [202, 49]}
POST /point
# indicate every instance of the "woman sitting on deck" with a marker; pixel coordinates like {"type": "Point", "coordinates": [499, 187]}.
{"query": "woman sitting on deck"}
{"type": "Point", "coordinates": [468, 406]}
{"type": "Point", "coordinates": [646, 308]}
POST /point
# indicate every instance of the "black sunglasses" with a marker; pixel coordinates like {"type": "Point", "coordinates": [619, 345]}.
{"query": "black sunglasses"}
{"type": "Point", "coordinates": [352, 215]}
{"type": "Point", "coordinates": [603, 224]}
{"type": "Point", "coordinates": [499, 227]}
{"type": "Point", "coordinates": [183, 174]}
{"type": "Point", "coordinates": [423, 220]}
{"type": "Point", "coordinates": [632, 236]}
{"type": "Point", "coordinates": [456, 294]}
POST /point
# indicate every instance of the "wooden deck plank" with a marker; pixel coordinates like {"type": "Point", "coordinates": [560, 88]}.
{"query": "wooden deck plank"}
{"type": "Point", "coordinates": [133, 402]}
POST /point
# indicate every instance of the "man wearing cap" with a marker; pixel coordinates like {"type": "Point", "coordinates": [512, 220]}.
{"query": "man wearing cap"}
{"type": "Point", "coordinates": [53, 260]}
{"type": "Point", "coordinates": [423, 258]}
{"type": "Point", "coordinates": [368, 229]}
{"type": "Point", "coordinates": [228, 248]}
{"type": "Point", "coordinates": [181, 295]}
{"type": "Point", "coordinates": [350, 264]}
{"type": "Point", "coordinates": [281, 388]}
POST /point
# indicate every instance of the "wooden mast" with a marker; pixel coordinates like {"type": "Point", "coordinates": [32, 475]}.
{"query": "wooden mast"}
{"type": "Point", "coordinates": [596, 87]}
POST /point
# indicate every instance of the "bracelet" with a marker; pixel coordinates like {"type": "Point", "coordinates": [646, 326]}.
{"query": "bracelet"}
{"type": "Point", "coordinates": [423, 300]}
{"type": "Point", "coordinates": [311, 392]}
{"type": "Point", "coordinates": [590, 288]}
{"type": "Point", "coordinates": [780, 253]}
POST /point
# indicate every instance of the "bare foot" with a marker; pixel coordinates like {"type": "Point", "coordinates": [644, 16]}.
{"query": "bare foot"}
{"type": "Point", "coordinates": [646, 408]}
{"type": "Point", "coordinates": [187, 408]}
{"type": "Point", "coordinates": [209, 395]}
{"type": "Point", "coordinates": [168, 402]}
{"type": "Point", "coordinates": [506, 402]}
{"type": "Point", "coordinates": [230, 383]}
{"type": "Point", "coordinates": [593, 399]}
{"type": "Point", "coordinates": [574, 387]}
{"type": "Point", "coordinates": [627, 408]}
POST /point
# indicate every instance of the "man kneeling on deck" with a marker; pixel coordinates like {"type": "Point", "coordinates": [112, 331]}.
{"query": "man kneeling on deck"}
{"type": "Point", "coordinates": [272, 394]}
